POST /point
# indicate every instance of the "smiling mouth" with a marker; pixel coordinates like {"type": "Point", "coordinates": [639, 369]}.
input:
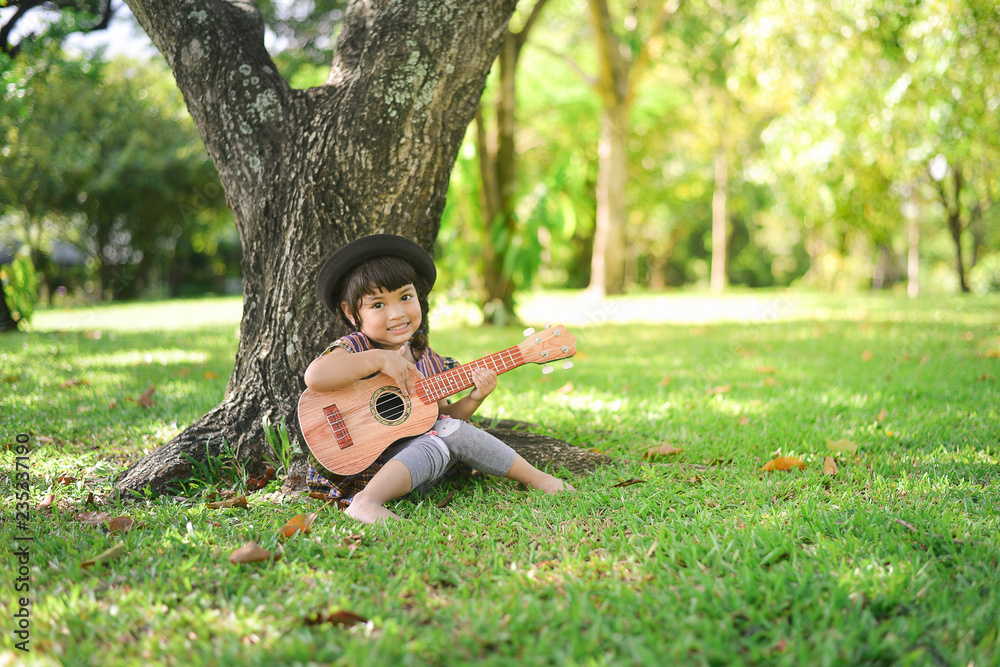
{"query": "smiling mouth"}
{"type": "Point", "coordinates": [398, 328]}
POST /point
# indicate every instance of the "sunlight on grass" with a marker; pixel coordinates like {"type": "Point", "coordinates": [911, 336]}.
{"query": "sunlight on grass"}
{"type": "Point", "coordinates": [694, 558]}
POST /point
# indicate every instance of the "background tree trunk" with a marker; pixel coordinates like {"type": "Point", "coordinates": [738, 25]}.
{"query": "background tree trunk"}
{"type": "Point", "coordinates": [306, 171]}
{"type": "Point", "coordinates": [720, 236]}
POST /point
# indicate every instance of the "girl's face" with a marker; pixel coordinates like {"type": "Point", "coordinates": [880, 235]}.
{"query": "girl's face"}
{"type": "Point", "coordinates": [389, 318]}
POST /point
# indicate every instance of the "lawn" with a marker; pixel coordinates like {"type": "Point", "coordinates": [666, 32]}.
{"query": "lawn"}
{"type": "Point", "coordinates": [696, 557]}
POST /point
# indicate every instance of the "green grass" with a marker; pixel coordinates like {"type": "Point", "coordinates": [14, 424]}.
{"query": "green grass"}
{"type": "Point", "coordinates": [893, 560]}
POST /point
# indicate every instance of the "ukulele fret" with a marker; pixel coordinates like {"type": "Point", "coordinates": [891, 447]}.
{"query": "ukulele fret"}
{"type": "Point", "coordinates": [451, 382]}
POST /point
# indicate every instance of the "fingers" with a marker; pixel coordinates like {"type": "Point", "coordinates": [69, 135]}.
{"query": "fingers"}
{"type": "Point", "coordinates": [485, 381]}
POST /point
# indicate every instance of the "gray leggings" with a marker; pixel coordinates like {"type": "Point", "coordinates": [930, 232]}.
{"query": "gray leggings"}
{"type": "Point", "coordinates": [428, 457]}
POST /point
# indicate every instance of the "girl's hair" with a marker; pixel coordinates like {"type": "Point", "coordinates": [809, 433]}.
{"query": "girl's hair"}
{"type": "Point", "coordinates": [389, 274]}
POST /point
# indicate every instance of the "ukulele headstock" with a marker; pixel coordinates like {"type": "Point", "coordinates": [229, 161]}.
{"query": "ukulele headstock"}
{"type": "Point", "coordinates": [555, 342]}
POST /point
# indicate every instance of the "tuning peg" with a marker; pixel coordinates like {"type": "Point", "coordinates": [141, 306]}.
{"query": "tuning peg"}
{"type": "Point", "coordinates": [547, 369]}
{"type": "Point", "coordinates": [567, 365]}
{"type": "Point", "coordinates": [528, 331]}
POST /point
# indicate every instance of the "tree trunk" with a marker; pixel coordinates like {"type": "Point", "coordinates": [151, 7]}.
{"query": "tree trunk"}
{"type": "Point", "coordinates": [608, 265]}
{"type": "Point", "coordinates": [913, 260]}
{"type": "Point", "coordinates": [7, 321]}
{"type": "Point", "coordinates": [306, 171]}
{"type": "Point", "coordinates": [719, 234]}
{"type": "Point", "coordinates": [498, 172]}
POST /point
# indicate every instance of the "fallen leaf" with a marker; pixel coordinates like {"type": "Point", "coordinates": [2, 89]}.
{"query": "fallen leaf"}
{"type": "Point", "coordinates": [240, 501]}
{"type": "Point", "coordinates": [353, 541]}
{"type": "Point", "coordinates": [92, 335]}
{"type": "Point", "coordinates": [766, 370]}
{"type": "Point", "coordinates": [146, 400]}
{"type": "Point", "coordinates": [300, 523]}
{"type": "Point", "coordinates": [251, 552]}
{"type": "Point", "coordinates": [721, 389]}
{"type": "Point", "coordinates": [829, 466]}
{"type": "Point", "coordinates": [842, 446]}
{"type": "Point", "coordinates": [44, 505]}
{"type": "Point", "coordinates": [90, 499]}
{"type": "Point", "coordinates": [339, 618]}
{"type": "Point", "coordinates": [183, 372]}
{"type": "Point", "coordinates": [106, 556]}
{"type": "Point", "coordinates": [867, 355]}
{"type": "Point", "coordinates": [211, 375]}
{"type": "Point", "coordinates": [783, 463]}
{"type": "Point", "coordinates": [565, 389]}
{"type": "Point", "coordinates": [120, 524]}
{"type": "Point", "coordinates": [628, 482]}
{"type": "Point", "coordinates": [444, 503]}
{"type": "Point", "coordinates": [318, 495]}
{"type": "Point", "coordinates": [743, 421]}
{"type": "Point", "coordinates": [993, 354]}
{"type": "Point", "coordinates": [11, 379]}
{"type": "Point", "coordinates": [666, 380]}
{"type": "Point", "coordinates": [906, 524]}
{"type": "Point", "coordinates": [662, 450]}
{"type": "Point", "coordinates": [65, 479]}
{"type": "Point", "coordinates": [255, 484]}
{"type": "Point", "coordinates": [93, 518]}
{"type": "Point", "coordinates": [881, 416]}
{"type": "Point", "coordinates": [75, 383]}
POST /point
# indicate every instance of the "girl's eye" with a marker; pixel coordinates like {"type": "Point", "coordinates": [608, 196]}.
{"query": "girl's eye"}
{"type": "Point", "coordinates": [407, 297]}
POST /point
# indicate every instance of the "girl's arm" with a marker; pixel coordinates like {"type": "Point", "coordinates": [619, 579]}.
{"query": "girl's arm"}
{"type": "Point", "coordinates": [485, 381]}
{"type": "Point", "coordinates": [340, 368]}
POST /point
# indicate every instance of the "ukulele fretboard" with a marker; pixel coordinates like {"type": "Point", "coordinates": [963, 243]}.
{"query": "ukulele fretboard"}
{"type": "Point", "coordinates": [451, 382]}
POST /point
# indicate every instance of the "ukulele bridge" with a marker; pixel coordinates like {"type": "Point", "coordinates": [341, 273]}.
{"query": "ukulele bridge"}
{"type": "Point", "coordinates": [338, 427]}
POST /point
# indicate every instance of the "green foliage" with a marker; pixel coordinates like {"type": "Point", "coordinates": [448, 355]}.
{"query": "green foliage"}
{"type": "Point", "coordinates": [985, 276]}
{"type": "Point", "coordinates": [19, 283]}
{"type": "Point", "coordinates": [281, 443]}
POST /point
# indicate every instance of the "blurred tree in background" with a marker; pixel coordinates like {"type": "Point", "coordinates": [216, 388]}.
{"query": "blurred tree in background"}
{"type": "Point", "coordinates": [838, 145]}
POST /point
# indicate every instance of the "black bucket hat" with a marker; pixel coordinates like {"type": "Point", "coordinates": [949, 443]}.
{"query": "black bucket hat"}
{"type": "Point", "coordinates": [343, 261]}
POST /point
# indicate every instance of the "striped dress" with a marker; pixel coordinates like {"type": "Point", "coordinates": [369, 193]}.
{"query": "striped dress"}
{"type": "Point", "coordinates": [335, 487]}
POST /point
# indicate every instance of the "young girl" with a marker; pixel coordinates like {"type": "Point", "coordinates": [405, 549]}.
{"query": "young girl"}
{"type": "Point", "coordinates": [378, 287]}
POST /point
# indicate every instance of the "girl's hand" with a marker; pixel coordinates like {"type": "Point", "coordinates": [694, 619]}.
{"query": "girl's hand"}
{"type": "Point", "coordinates": [399, 368]}
{"type": "Point", "coordinates": [485, 381]}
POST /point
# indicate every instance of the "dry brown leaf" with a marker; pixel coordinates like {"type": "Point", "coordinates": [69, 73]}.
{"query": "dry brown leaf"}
{"type": "Point", "coordinates": [565, 389]}
{"type": "Point", "coordinates": [444, 503]}
{"type": "Point", "coordinates": [993, 354]}
{"type": "Point", "coordinates": [93, 518]}
{"type": "Point", "coordinates": [340, 618]}
{"type": "Point", "coordinates": [766, 370]}
{"type": "Point", "coordinates": [121, 524]}
{"type": "Point", "coordinates": [106, 556]}
{"type": "Point", "coordinates": [665, 449]}
{"type": "Point", "coordinates": [240, 501]}
{"type": "Point", "coordinates": [842, 446]}
{"type": "Point", "coordinates": [721, 389]}
{"type": "Point", "coordinates": [666, 380]}
{"type": "Point", "coordinates": [628, 482]}
{"type": "Point", "coordinates": [783, 463]}
{"type": "Point", "coordinates": [881, 416]}
{"type": "Point", "coordinates": [211, 375]}
{"type": "Point", "coordinates": [906, 524]}
{"type": "Point", "coordinates": [300, 523]}
{"type": "Point", "coordinates": [256, 484]}
{"type": "Point", "coordinates": [353, 541]}
{"type": "Point", "coordinates": [93, 334]}
{"type": "Point", "coordinates": [146, 400]}
{"type": "Point", "coordinates": [867, 355]}
{"type": "Point", "coordinates": [65, 479]}
{"type": "Point", "coordinates": [44, 505]}
{"type": "Point", "coordinates": [743, 421]}
{"type": "Point", "coordinates": [75, 383]}
{"type": "Point", "coordinates": [251, 552]}
{"type": "Point", "coordinates": [829, 466]}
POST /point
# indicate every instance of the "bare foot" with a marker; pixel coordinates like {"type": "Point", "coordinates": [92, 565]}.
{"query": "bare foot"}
{"type": "Point", "coordinates": [368, 512]}
{"type": "Point", "coordinates": [552, 485]}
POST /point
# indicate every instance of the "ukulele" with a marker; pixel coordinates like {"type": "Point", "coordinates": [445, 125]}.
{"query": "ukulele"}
{"type": "Point", "coordinates": [347, 429]}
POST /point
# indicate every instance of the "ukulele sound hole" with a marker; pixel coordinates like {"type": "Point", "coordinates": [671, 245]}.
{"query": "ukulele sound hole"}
{"type": "Point", "coordinates": [389, 406]}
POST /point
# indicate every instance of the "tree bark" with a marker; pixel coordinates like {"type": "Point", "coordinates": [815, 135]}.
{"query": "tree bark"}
{"type": "Point", "coordinates": [498, 172]}
{"type": "Point", "coordinates": [953, 214]}
{"type": "Point", "coordinates": [719, 234]}
{"type": "Point", "coordinates": [306, 171]}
